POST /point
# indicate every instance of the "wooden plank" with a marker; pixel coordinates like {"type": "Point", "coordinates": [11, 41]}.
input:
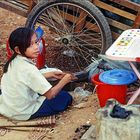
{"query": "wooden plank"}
{"type": "Point", "coordinates": [88, 25]}
{"type": "Point", "coordinates": [114, 10]}
{"type": "Point", "coordinates": [81, 21]}
{"type": "Point", "coordinates": [17, 3]}
{"type": "Point", "coordinates": [27, 2]}
{"type": "Point", "coordinates": [118, 24]}
{"type": "Point", "coordinates": [92, 26]}
{"type": "Point", "coordinates": [16, 9]}
{"type": "Point", "coordinates": [128, 3]}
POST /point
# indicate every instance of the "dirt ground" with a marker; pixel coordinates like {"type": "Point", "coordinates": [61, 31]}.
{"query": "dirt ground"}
{"type": "Point", "coordinates": [74, 117]}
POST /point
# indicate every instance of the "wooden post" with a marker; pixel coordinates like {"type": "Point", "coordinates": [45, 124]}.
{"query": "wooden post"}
{"type": "Point", "coordinates": [30, 3]}
{"type": "Point", "coordinates": [137, 21]}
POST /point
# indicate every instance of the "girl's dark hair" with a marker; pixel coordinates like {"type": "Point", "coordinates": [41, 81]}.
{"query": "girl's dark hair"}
{"type": "Point", "coordinates": [21, 38]}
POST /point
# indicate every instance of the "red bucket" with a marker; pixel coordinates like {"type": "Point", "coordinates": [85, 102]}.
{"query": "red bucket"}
{"type": "Point", "coordinates": [106, 91]}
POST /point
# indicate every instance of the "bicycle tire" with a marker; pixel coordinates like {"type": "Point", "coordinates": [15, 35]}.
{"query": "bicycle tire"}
{"type": "Point", "coordinates": [91, 14]}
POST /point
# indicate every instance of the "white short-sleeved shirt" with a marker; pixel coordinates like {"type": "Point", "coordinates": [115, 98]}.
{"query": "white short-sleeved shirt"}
{"type": "Point", "coordinates": [20, 87]}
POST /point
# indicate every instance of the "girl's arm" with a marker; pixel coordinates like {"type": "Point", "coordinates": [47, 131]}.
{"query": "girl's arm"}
{"type": "Point", "coordinates": [54, 74]}
{"type": "Point", "coordinates": [57, 88]}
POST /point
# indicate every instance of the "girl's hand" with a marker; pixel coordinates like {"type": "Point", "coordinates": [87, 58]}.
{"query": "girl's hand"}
{"type": "Point", "coordinates": [58, 74]}
{"type": "Point", "coordinates": [68, 78]}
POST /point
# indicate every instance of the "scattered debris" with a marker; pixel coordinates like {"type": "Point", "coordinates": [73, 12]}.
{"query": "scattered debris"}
{"type": "Point", "coordinates": [80, 131]}
{"type": "Point", "coordinates": [90, 134]}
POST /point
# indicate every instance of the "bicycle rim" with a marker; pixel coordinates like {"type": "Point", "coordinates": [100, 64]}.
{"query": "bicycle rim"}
{"type": "Point", "coordinates": [73, 33]}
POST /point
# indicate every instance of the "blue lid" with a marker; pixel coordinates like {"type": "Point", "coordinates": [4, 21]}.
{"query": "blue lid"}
{"type": "Point", "coordinates": [118, 77]}
{"type": "Point", "coordinates": [39, 31]}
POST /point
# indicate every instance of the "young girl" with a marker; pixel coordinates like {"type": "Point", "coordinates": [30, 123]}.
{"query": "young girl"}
{"type": "Point", "coordinates": [26, 94]}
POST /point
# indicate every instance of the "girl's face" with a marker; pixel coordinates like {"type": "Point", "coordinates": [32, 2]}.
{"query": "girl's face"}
{"type": "Point", "coordinates": [33, 50]}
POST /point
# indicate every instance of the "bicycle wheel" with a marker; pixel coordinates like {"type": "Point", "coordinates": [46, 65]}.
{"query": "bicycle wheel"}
{"type": "Point", "coordinates": [75, 30]}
